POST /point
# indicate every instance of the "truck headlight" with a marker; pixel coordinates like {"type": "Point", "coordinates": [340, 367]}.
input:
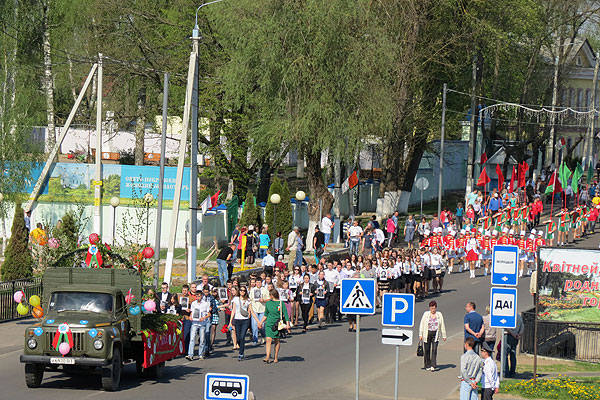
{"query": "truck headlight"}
{"type": "Point", "coordinates": [98, 344]}
{"type": "Point", "coordinates": [32, 343]}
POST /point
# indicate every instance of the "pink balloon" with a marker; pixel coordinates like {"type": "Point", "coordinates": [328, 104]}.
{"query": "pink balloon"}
{"type": "Point", "coordinates": [64, 348]}
{"type": "Point", "coordinates": [150, 305]}
{"type": "Point", "coordinates": [18, 296]}
{"type": "Point", "coordinates": [53, 243]}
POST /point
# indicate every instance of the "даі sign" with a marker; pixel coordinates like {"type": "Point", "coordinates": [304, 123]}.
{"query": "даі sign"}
{"type": "Point", "coordinates": [569, 285]}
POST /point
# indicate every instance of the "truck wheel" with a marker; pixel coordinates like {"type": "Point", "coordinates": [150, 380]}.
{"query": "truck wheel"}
{"type": "Point", "coordinates": [157, 371]}
{"type": "Point", "coordinates": [111, 374]}
{"type": "Point", "coordinates": [33, 375]}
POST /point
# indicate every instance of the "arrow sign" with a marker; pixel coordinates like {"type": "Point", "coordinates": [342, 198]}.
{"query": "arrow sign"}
{"type": "Point", "coordinates": [397, 337]}
{"type": "Point", "coordinates": [503, 307]}
{"type": "Point", "coordinates": [505, 262]}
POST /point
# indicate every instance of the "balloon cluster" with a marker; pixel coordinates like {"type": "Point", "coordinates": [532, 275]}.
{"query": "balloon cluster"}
{"type": "Point", "coordinates": [23, 306]}
{"type": "Point", "coordinates": [54, 243]}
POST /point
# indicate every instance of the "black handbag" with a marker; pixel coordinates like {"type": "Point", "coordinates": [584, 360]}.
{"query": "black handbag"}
{"type": "Point", "coordinates": [420, 349]}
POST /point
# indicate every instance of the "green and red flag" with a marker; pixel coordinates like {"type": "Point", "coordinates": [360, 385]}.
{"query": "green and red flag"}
{"type": "Point", "coordinates": [564, 173]}
{"type": "Point", "coordinates": [63, 334]}
{"type": "Point", "coordinates": [577, 174]}
{"type": "Point", "coordinates": [554, 185]}
{"type": "Point", "coordinates": [93, 258]}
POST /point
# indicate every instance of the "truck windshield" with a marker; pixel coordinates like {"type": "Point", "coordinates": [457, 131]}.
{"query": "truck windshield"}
{"type": "Point", "coordinates": [81, 301]}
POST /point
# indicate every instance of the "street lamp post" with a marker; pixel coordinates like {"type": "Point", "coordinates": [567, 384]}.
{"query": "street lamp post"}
{"type": "Point", "coordinates": [148, 198]}
{"type": "Point", "coordinates": [300, 196]}
{"type": "Point", "coordinates": [275, 199]}
{"type": "Point", "coordinates": [114, 202]}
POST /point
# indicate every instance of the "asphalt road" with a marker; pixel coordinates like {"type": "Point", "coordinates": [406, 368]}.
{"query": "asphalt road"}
{"type": "Point", "coordinates": [319, 364]}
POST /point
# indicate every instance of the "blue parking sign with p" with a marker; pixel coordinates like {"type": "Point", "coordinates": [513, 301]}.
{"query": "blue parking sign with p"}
{"type": "Point", "coordinates": [398, 309]}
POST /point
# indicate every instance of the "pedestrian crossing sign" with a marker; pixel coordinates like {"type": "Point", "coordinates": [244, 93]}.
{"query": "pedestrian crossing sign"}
{"type": "Point", "coordinates": [357, 296]}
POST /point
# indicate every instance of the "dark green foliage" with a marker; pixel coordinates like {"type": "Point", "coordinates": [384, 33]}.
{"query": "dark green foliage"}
{"type": "Point", "coordinates": [250, 215]}
{"type": "Point", "coordinates": [273, 228]}
{"type": "Point", "coordinates": [18, 262]}
{"type": "Point", "coordinates": [67, 231]}
{"type": "Point", "coordinates": [284, 212]}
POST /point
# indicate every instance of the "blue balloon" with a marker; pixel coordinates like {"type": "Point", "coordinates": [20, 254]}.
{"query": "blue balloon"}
{"type": "Point", "coordinates": [93, 332]}
{"type": "Point", "coordinates": [135, 310]}
{"type": "Point", "coordinates": [38, 331]}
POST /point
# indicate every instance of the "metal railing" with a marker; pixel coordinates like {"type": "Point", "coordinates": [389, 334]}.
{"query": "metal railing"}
{"type": "Point", "coordinates": [8, 307]}
{"type": "Point", "coordinates": [568, 340]}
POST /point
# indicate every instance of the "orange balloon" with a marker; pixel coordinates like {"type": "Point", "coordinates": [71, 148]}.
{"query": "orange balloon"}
{"type": "Point", "coordinates": [37, 312]}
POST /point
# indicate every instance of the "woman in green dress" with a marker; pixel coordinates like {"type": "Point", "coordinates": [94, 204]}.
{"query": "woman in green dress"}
{"type": "Point", "coordinates": [274, 310]}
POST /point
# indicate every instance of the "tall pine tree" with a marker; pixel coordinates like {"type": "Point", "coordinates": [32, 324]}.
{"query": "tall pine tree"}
{"type": "Point", "coordinates": [251, 214]}
{"type": "Point", "coordinates": [18, 262]}
{"type": "Point", "coordinates": [274, 224]}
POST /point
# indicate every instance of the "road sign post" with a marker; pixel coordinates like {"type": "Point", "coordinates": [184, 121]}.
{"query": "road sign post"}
{"type": "Point", "coordinates": [398, 310]}
{"type": "Point", "coordinates": [503, 314]}
{"type": "Point", "coordinates": [226, 386]}
{"type": "Point", "coordinates": [357, 296]}
{"type": "Point", "coordinates": [422, 184]}
{"type": "Point", "coordinates": [505, 262]}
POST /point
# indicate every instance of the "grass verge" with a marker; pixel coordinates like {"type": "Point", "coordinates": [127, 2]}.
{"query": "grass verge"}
{"type": "Point", "coordinates": [561, 388]}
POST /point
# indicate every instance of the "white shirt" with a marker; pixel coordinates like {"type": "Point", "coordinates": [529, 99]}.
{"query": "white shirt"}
{"type": "Point", "coordinates": [268, 261]}
{"type": "Point", "coordinates": [436, 260]}
{"type": "Point", "coordinates": [239, 304]}
{"type": "Point", "coordinates": [326, 225]}
{"type": "Point", "coordinates": [490, 378]}
{"type": "Point", "coordinates": [346, 273]}
{"type": "Point", "coordinates": [379, 236]}
{"type": "Point", "coordinates": [199, 309]}
{"type": "Point", "coordinates": [332, 276]}
{"type": "Point", "coordinates": [355, 232]}
{"type": "Point", "coordinates": [257, 294]}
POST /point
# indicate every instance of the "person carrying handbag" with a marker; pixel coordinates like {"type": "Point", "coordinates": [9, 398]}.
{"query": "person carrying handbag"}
{"type": "Point", "coordinates": [274, 320]}
{"type": "Point", "coordinates": [431, 329]}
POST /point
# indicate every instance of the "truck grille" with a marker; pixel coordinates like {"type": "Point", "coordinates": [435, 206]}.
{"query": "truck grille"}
{"type": "Point", "coordinates": [78, 341]}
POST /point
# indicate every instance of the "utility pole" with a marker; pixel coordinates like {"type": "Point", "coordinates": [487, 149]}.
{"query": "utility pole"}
{"type": "Point", "coordinates": [98, 174]}
{"type": "Point", "coordinates": [159, 208]}
{"type": "Point", "coordinates": [550, 150]}
{"type": "Point", "coordinates": [473, 127]}
{"type": "Point", "coordinates": [589, 143]}
{"type": "Point", "coordinates": [193, 245]}
{"type": "Point", "coordinates": [440, 186]}
{"type": "Point", "coordinates": [180, 167]}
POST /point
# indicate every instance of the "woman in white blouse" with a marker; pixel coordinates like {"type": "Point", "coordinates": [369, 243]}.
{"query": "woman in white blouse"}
{"type": "Point", "coordinates": [431, 329]}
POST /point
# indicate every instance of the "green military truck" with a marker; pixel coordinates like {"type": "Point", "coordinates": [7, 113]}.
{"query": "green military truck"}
{"type": "Point", "coordinates": [87, 309]}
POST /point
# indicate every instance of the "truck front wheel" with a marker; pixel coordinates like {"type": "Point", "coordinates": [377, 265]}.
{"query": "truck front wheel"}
{"type": "Point", "coordinates": [111, 374]}
{"type": "Point", "coordinates": [33, 375]}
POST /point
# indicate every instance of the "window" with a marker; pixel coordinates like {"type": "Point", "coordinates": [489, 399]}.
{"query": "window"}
{"type": "Point", "coordinates": [578, 61]}
{"type": "Point", "coordinates": [579, 98]}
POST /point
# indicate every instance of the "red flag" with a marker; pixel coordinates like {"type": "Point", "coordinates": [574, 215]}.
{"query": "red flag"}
{"type": "Point", "coordinates": [483, 178]}
{"type": "Point", "coordinates": [352, 180]}
{"type": "Point", "coordinates": [214, 199]}
{"type": "Point", "coordinates": [512, 180]}
{"type": "Point", "coordinates": [500, 177]}
{"type": "Point", "coordinates": [483, 159]}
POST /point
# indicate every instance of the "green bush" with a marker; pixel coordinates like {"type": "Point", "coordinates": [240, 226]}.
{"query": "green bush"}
{"type": "Point", "coordinates": [250, 214]}
{"type": "Point", "coordinates": [18, 262]}
{"type": "Point", "coordinates": [274, 188]}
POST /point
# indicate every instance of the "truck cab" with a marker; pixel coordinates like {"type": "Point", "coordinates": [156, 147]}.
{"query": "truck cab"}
{"type": "Point", "coordinates": [85, 308]}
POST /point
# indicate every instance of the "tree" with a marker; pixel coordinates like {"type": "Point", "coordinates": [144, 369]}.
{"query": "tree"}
{"type": "Point", "coordinates": [18, 262]}
{"type": "Point", "coordinates": [274, 188]}
{"type": "Point", "coordinates": [251, 214]}
{"type": "Point", "coordinates": [285, 218]}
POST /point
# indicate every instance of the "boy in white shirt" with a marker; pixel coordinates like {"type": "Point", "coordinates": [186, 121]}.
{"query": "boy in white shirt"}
{"type": "Point", "coordinates": [490, 381]}
{"type": "Point", "coordinates": [201, 319]}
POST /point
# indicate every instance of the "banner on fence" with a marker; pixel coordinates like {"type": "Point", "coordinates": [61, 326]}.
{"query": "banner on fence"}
{"type": "Point", "coordinates": [569, 285]}
{"type": "Point", "coordinates": [72, 182]}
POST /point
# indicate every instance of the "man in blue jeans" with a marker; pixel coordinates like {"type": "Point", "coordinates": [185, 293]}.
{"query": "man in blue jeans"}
{"type": "Point", "coordinates": [223, 258]}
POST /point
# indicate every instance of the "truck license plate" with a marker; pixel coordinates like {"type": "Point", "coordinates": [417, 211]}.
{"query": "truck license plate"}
{"type": "Point", "coordinates": [62, 360]}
